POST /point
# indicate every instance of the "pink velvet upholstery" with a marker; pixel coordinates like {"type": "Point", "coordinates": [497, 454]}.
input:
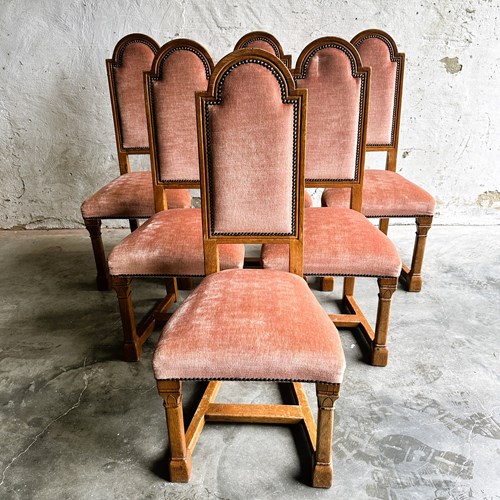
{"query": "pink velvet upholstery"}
{"type": "Point", "coordinates": [169, 244]}
{"type": "Point", "coordinates": [339, 242]}
{"type": "Point", "coordinates": [263, 45]}
{"type": "Point", "coordinates": [183, 74]}
{"type": "Point", "coordinates": [332, 115]}
{"type": "Point", "coordinates": [308, 201]}
{"type": "Point", "coordinates": [385, 194]}
{"type": "Point", "coordinates": [229, 329]}
{"type": "Point", "coordinates": [137, 58]}
{"type": "Point", "coordinates": [251, 139]}
{"type": "Point", "coordinates": [130, 196]}
{"type": "Point", "coordinates": [375, 54]}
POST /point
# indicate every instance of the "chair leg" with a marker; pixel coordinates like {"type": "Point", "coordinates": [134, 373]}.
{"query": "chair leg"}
{"type": "Point", "coordinates": [387, 286]}
{"type": "Point", "coordinates": [94, 228]}
{"type": "Point", "coordinates": [185, 283]}
{"type": "Point", "coordinates": [132, 348]}
{"type": "Point", "coordinates": [134, 224]}
{"type": "Point", "coordinates": [383, 225]}
{"type": "Point", "coordinates": [180, 456]}
{"type": "Point", "coordinates": [327, 395]}
{"type": "Point", "coordinates": [327, 283]}
{"type": "Point", "coordinates": [412, 278]}
{"type": "Point", "coordinates": [171, 286]}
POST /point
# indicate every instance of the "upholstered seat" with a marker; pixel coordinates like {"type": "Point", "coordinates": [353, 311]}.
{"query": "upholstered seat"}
{"type": "Point", "coordinates": [130, 195]}
{"type": "Point", "coordinates": [385, 194]}
{"type": "Point", "coordinates": [308, 201]}
{"type": "Point", "coordinates": [229, 329]}
{"type": "Point", "coordinates": [169, 244]}
{"type": "Point", "coordinates": [339, 242]}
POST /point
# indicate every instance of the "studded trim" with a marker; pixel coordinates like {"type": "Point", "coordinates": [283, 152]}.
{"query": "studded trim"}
{"type": "Point", "coordinates": [218, 100]}
{"type": "Point", "coordinates": [397, 84]}
{"type": "Point", "coordinates": [355, 74]}
{"type": "Point", "coordinates": [230, 379]}
{"type": "Point", "coordinates": [153, 79]}
{"type": "Point", "coordinates": [118, 64]}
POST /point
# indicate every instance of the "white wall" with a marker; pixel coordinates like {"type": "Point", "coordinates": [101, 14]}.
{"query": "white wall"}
{"type": "Point", "coordinates": [56, 133]}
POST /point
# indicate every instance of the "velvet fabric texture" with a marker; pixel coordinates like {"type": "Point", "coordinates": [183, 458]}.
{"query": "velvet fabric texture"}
{"type": "Point", "coordinates": [182, 74]}
{"type": "Point", "coordinates": [339, 242]}
{"type": "Point", "coordinates": [169, 244]}
{"type": "Point", "coordinates": [137, 58]}
{"type": "Point", "coordinates": [252, 139]}
{"type": "Point", "coordinates": [375, 54]}
{"type": "Point", "coordinates": [308, 201]}
{"type": "Point", "coordinates": [229, 329]}
{"type": "Point", "coordinates": [333, 106]}
{"type": "Point", "coordinates": [130, 195]}
{"type": "Point", "coordinates": [263, 45]}
{"type": "Point", "coordinates": [385, 194]}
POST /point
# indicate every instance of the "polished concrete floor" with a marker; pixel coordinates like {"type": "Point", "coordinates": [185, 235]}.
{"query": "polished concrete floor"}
{"type": "Point", "coordinates": [76, 422]}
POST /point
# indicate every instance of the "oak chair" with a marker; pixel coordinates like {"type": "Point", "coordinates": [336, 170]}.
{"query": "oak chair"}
{"type": "Point", "coordinates": [250, 324]}
{"type": "Point", "coordinates": [170, 243]}
{"type": "Point", "coordinates": [386, 193]}
{"type": "Point", "coordinates": [130, 196]}
{"type": "Point", "coordinates": [341, 241]}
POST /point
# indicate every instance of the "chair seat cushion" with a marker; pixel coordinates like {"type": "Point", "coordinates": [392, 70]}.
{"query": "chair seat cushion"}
{"type": "Point", "coordinates": [169, 244]}
{"type": "Point", "coordinates": [339, 242]}
{"type": "Point", "coordinates": [250, 324]}
{"type": "Point", "coordinates": [130, 195]}
{"type": "Point", "coordinates": [385, 194]}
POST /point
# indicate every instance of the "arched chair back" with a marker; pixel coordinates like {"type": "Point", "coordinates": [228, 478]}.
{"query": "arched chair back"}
{"type": "Point", "coordinates": [264, 41]}
{"type": "Point", "coordinates": [133, 55]}
{"type": "Point", "coordinates": [379, 52]}
{"type": "Point", "coordinates": [250, 128]}
{"type": "Point", "coordinates": [180, 69]}
{"type": "Point", "coordinates": [338, 87]}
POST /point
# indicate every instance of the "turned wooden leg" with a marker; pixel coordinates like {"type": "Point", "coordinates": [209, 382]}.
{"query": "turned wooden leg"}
{"type": "Point", "coordinates": [387, 286]}
{"type": "Point", "coordinates": [94, 228]}
{"type": "Point", "coordinates": [383, 225]}
{"type": "Point", "coordinates": [180, 456]}
{"type": "Point", "coordinates": [132, 348]}
{"type": "Point", "coordinates": [327, 283]}
{"type": "Point", "coordinates": [134, 224]}
{"type": "Point", "coordinates": [327, 394]}
{"type": "Point", "coordinates": [185, 283]}
{"type": "Point", "coordinates": [414, 276]}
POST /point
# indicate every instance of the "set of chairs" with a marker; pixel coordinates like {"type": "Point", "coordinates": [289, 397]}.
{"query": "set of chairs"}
{"type": "Point", "coordinates": [252, 133]}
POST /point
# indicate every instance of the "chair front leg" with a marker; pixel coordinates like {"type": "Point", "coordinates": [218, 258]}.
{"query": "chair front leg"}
{"type": "Point", "coordinates": [327, 395]}
{"type": "Point", "coordinates": [387, 286]}
{"type": "Point", "coordinates": [134, 224]}
{"type": "Point", "coordinates": [94, 228]}
{"type": "Point", "coordinates": [383, 225]}
{"type": "Point", "coordinates": [327, 283]}
{"type": "Point", "coordinates": [180, 456]}
{"type": "Point", "coordinates": [414, 276]}
{"type": "Point", "coordinates": [132, 348]}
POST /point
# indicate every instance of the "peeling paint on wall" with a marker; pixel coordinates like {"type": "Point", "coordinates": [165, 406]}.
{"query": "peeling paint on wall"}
{"type": "Point", "coordinates": [452, 65]}
{"type": "Point", "coordinates": [489, 199]}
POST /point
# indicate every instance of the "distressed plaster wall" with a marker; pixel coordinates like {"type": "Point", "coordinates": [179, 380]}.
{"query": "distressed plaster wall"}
{"type": "Point", "coordinates": [56, 132]}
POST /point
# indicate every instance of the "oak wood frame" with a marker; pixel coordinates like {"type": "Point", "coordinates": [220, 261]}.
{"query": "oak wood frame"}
{"type": "Point", "coordinates": [352, 316]}
{"type": "Point", "coordinates": [93, 225]}
{"type": "Point", "coordinates": [135, 334]}
{"type": "Point", "coordinates": [182, 442]}
{"type": "Point", "coordinates": [245, 42]}
{"type": "Point", "coordinates": [411, 277]}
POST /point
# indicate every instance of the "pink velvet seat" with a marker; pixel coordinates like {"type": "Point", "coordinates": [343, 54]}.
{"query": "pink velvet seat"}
{"type": "Point", "coordinates": [169, 244]}
{"type": "Point", "coordinates": [339, 242]}
{"type": "Point", "coordinates": [130, 196]}
{"type": "Point", "coordinates": [232, 309]}
{"type": "Point", "coordinates": [385, 194]}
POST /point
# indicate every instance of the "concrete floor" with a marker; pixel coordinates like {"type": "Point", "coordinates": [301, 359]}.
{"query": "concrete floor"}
{"type": "Point", "coordinates": [76, 422]}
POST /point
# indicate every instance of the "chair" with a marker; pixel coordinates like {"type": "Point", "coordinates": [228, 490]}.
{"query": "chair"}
{"type": "Point", "coordinates": [341, 241]}
{"type": "Point", "coordinates": [386, 193]}
{"type": "Point", "coordinates": [250, 324]}
{"type": "Point", "coordinates": [170, 243]}
{"type": "Point", "coordinates": [130, 196]}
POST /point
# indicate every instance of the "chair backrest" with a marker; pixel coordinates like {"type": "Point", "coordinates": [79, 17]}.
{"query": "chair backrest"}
{"type": "Point", "coordinates": [264, 41]}
{"type": "Point", "coordinates": [338, 87]}
{"type": "Point", "coordinates": [180, 69]}
{"type": "Point", "coordinates": [379, 52]}
{"type": "Point", "coordinates": [251, 126]}
{"type": "Point", "coordinates": [132, 56]}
